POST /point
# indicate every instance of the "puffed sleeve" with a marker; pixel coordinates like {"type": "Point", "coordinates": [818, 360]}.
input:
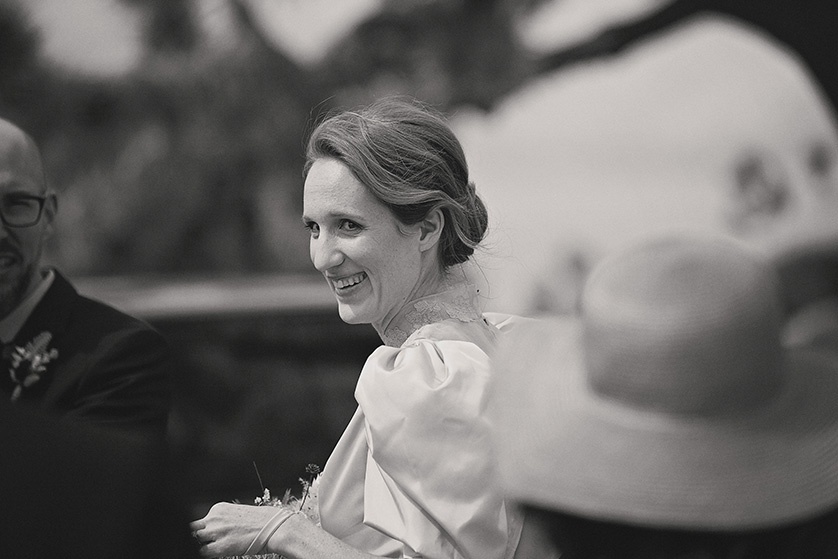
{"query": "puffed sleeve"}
{"type": "Point", "coordinates": [428, 479]}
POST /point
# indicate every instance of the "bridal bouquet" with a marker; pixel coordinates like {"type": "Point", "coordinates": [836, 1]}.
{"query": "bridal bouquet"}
{"type": "Point", "coordinates": [306, 503]}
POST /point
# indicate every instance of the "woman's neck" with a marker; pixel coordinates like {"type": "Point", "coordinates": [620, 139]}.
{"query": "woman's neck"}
{"type": "Point", "coordinates": [451, 296]}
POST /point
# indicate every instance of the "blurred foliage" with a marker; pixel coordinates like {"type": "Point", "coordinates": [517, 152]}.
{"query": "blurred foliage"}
{"type": "Point", "coordinates": [191, 162]}
{"type": "Point", "coordinates": [170, 24]}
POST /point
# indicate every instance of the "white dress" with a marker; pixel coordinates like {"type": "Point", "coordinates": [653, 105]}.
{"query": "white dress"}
{"type": "Point", "coordinates": [413, 474]}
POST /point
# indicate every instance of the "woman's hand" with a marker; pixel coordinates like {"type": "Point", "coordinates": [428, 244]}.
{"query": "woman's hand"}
{"type": "Point", "coordinates": [229, 529]}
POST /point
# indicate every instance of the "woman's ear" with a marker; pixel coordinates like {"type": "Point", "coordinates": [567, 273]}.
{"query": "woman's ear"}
{"type": "Point", "coordinates": [430, 229]}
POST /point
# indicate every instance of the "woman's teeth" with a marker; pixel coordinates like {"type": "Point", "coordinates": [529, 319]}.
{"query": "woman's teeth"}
{"type": "Point", "coordinates": [350, 281]}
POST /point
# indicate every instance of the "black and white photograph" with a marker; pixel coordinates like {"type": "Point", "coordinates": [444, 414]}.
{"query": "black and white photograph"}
{"type": "Point", "coordinates": [419, 279]}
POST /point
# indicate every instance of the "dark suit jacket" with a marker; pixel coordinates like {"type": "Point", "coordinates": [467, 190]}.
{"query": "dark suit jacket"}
{"type": "Point", "coordinates": [111, 369]}
{"type": "Point", "coordinates": [70, 489]}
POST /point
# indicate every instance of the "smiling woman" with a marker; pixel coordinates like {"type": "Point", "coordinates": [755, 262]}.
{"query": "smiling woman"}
{"type": "Point", "coordinates": [370, 260]}
{"type": "Point", "coordinates": [393, 218]}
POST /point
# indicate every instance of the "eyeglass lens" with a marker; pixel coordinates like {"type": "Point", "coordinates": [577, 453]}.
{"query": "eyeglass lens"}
{"type": "Point", "coordinates": [20, 211]}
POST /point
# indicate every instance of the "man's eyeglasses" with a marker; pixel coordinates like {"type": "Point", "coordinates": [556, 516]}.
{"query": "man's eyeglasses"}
{"type": "Point", "coordinates": [21, 210]}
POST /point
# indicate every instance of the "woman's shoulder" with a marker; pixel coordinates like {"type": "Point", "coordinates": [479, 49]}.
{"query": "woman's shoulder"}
{"type": "Point", "coordinates": [431, 370]}
{"type": "Point", "coordinates": [450, 339]}
{"type": "Point", "coordinates": [443, 347]}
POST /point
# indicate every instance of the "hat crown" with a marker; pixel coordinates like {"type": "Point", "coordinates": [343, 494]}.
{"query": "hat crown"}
{"type": "Point", "coordinates": [683, 326]}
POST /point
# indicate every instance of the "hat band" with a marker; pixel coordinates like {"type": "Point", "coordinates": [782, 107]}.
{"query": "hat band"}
{"type": "Point", "coordinates": [688, 367]}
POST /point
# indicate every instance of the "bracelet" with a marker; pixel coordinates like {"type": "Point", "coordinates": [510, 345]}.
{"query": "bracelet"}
{"type": "Point", "coordinates": [268, 530]}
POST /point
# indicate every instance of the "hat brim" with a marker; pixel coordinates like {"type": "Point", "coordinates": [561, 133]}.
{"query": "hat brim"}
{"type": "Point", "coordinates": [563, 447]}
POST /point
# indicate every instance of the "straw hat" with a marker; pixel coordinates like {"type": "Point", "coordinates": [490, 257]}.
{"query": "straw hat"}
{"type": "Point", "coordinates": [670, 402]}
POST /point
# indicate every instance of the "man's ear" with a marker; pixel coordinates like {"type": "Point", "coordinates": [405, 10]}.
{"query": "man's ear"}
{"type": "Point", "coordinates": [430, 229]}
{"type": "Point", "coordinates": [50, 210]}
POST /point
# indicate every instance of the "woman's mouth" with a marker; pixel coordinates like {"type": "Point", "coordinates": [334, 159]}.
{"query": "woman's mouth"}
{"type": "Point", "coordinates": [348, 282]}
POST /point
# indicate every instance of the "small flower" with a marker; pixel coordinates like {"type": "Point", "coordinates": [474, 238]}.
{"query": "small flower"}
{"type": "Point", "coordinates": [313, 470]}
{"type": "Point", "coordinates": [38, 356]}
{"type": "Point", "coordinates": [307, 503]}
{"type": "Point", "coordinates": [265, 499]}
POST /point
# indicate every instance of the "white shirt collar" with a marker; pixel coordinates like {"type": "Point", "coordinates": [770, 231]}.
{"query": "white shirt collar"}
{"type": "Point", "coordinates": [11, 325]}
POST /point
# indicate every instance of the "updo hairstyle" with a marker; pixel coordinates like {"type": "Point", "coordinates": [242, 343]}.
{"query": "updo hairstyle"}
{"type": "Point", "coordinates": [408, 157]}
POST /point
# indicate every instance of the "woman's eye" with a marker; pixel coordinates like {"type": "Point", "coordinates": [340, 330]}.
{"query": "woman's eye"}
{"type": "Point", "coordinates": [350, 226]}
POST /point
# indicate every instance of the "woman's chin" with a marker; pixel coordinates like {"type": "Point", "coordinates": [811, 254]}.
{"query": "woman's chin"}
{"type": "Point", "coordinates": [350, 315]}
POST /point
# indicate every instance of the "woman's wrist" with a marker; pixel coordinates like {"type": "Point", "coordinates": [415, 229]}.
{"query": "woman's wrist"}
{"type": "Point", "coordinates": [260, 542]}
{"type": "Point", "coordinates": [283, 537]}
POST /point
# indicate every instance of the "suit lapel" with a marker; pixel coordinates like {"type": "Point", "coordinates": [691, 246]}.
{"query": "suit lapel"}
{"type": "Point", "coordinates": [50, 315]}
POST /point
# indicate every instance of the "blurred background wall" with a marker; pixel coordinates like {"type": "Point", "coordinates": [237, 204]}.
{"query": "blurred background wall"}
{"type": "Point", "coordinates": [174, 132]}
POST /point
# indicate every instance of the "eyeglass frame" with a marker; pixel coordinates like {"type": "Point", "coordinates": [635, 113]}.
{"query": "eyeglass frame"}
{"type": "Point", "coordinates": [42, 200]}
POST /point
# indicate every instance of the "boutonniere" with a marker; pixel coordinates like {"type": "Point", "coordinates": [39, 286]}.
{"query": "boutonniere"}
{"type": "Point", "coordinates": [35, 356]}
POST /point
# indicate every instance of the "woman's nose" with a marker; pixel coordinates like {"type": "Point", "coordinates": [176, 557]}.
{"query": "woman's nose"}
{"type": "Point", "coordinates": [325, 253]}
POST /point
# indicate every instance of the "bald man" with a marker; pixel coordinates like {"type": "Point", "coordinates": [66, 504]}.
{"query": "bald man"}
{"type": "Point", "coordinates": [62, 352]}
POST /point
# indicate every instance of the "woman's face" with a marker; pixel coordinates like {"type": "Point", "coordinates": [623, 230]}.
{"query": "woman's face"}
{"type": "Point", "coordinates": [373, 263]}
